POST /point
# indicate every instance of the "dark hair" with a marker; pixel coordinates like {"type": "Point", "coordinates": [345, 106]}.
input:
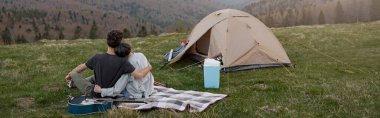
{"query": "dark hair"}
{"type": "Point", "coordinates": [114, 38]}
{"type": "Point", "coordinates": [123, 50]}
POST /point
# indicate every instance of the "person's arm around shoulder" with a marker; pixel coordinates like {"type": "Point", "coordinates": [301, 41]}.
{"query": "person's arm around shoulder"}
{"type": "Point", "coordinates": [141, 73]}
{"type": "Point", "coordinates": [144, 59]}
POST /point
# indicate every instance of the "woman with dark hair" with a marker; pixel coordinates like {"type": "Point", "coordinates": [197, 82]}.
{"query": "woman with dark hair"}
{"type": "Point", "coordinates": [128, 85]}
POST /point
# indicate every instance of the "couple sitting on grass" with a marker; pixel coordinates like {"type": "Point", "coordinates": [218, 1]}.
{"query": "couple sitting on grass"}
{"type": "Point", "coordinates": [118, 72]}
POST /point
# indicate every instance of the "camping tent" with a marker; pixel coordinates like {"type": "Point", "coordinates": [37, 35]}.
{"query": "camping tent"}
{"type": "Point", "coordinates": [240, 39]}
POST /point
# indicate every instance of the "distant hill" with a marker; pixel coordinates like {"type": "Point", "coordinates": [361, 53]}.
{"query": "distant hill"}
{"type": "Point", "coordinates": [279, 13]}
{"type": "Point", "coordinates": [70, 19]}
{"type": "Point", "coordinates": [238, 4]}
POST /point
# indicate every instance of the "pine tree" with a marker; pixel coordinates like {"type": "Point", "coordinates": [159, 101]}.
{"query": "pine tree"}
{"type": "Point", "coordinates": [77, 32]}
{"type": "Point", "coordinates": [59, 16]}
{"type": "Point", "coordinates": [289, 18]}
{"type": "Point", "coordinates": [321, 18]}
{"type": "Point", "coordinates": [180, 26]}
{"type": "Point", "coordinates": [38, 37]}
{"type": "Point", "coordinates": [306, 16]}
{"type": "Point", "coordinates": [3, 9]}
{"type": "Point", "coordinates": [142, 32]}
{"type": "Point", "coordinates": [297, 17]}
{"type": "Point", "coordinates": [269, 21]}
{"type": "Point", "coordinates": [35, 28]}
{"type": "Point", "coordinates": [84, 20]}
{"type": "Point", "coordinates": [375, 10]}
{"type": "Point", "coordinates": [126, 33]}
{"type": "Point", "coordinates": [93, 31]}
{"type": "Point", "coordinates": [46, 34]}
{"type": "Point", "coordinates": [339, 13]}
{"type": "Point", "coordinates": [6, 36]}
{"type": "Point", "coordinates": [21, 39]}
{"type": "Point", "coordinates": [70, 15]}
{"type": "Point", "coordinates": [153, 31]}
{"type": "Point", "coordinates": [61, 35]}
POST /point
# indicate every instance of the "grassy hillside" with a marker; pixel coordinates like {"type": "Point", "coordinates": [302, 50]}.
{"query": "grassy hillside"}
{"type": "Point", "coordinates": [336, 74]}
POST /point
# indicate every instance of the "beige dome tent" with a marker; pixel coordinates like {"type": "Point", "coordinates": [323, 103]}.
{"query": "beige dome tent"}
{"type": "Point", "coordinates": [240, 39]}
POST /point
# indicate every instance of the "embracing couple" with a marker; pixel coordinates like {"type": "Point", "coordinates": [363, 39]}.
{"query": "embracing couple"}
{"type": "Point", "coordinates": [118, 72]}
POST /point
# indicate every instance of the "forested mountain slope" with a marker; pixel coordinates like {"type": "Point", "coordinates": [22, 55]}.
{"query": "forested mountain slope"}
{"type": "Point", "coordinates": [71, 19]}
{"type": "Point", "coordinates": [278, 13]}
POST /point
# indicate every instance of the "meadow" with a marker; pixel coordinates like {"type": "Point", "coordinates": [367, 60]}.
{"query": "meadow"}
{"type": "Point", "coordinates": [335, 74]}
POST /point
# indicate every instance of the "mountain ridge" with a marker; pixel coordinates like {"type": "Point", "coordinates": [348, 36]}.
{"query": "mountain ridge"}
{"type": "Point", "coordinates": [237, 4]}
{"type": "Point", "coordinates": [64, 17]}
{"type": "Point", "coordinates": [282, 13]}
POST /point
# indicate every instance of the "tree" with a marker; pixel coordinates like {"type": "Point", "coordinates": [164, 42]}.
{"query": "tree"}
{"type": "Point", "coordinates": [6, 36]}
{"type": "Point", "coordinates": [289, 19]}
{"type": "Point", "coordinates": [61, 35]}
{"type": "Point", "coordinates": [375, 10]}
{"type": "Point", "coordinates": [84, 20]}
{"type": "Point", "coordinates": [180, 26]}
{"type": "Point", "coordinates": [35, 28]}
{"type": "Point", "coordinates": [70, 15]}
{"type": "Point", "coordinates": [306, 16]}
{"type": "Point", "coordinates": [339, 13]}
{"type": "Point", "coordinates": [38, 37]}
{"type": "Point", "coordinates": [297, 17]}
{"type": "Point", "coordinates": [77, 32]}
{"type": "Point", "coordinates": [126, 33]}
{"type": "Point", "coordinates": [3, 9]}
{"type": "Point", "coordinates": [269, 20]}
{"type": "Point", "coordinates": [321, 18]}
{"type": "Point", "coordinates": [21, 39]}
{"type": "Point", "coordinates": [46, 34]}
{"type": "Point", "coordinates": [142, 32]}
{"type": "Point", "coordinates": [153, 31]}
{"type": "Point", "coordinates": [59, 16]}
{"type": "Point", "coordinates": [93, 31]}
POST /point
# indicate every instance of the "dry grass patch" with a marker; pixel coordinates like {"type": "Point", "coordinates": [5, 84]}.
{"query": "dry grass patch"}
{"type": "Point", "coordinates": [25, 102]}
{"type": "Point", "coordinates": [12, 73]}
{"type": "Point", "coordinates": [7, 63]}
{"type": "Point", "coordinates": [56, 106]}
{"type": "Point", "coordinates": [51, 88]}
{"type": "Point", "coordinates": [119, 113]}
{"type": "Point", "coordinates": [272, 110]}
{"type": "Point", "coordinates": [43, 57]}
{"type": "Point", "coordinates": [260, 86]}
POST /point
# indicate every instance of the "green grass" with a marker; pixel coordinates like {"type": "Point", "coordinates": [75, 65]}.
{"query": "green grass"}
{"type": "Point", "coordinates": [336, 74]}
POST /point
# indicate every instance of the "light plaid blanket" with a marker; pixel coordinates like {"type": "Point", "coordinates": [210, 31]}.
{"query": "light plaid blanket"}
{"type": "Point", "coordinates": [169, 98]}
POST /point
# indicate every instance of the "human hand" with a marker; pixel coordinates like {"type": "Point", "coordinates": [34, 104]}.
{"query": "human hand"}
{"type": "Point", "coordinates": [97, 89]}
{"type": "Point", "coordinates": [183, 43]}
{"type": "Point", "coordinates": [68, 77]}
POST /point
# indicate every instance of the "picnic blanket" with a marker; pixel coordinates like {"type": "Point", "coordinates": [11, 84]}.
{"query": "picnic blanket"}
{"type": "Point", "coordinates": [169, 98]}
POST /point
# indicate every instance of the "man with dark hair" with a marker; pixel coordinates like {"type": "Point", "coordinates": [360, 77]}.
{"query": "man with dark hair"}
{"type": "Point", "coordinates": [107, 67]}
{"type": "Point", "coordinates": [114, 38]}
{"type": "Point", "coordinates": [130, 86]}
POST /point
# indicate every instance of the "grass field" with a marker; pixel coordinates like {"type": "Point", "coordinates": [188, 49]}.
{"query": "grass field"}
{"type": "Point", "coordinates": [336, 74]}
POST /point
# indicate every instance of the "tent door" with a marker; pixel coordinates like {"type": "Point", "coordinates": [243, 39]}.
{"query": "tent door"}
{"type": "Point", "coordinates": [203, 44]}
